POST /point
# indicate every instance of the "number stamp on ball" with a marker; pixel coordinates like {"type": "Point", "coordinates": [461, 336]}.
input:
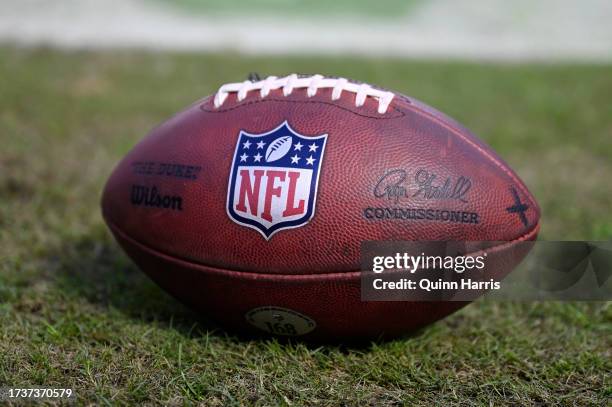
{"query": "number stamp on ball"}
{"type": "Point", "coordinates": [280, 321]}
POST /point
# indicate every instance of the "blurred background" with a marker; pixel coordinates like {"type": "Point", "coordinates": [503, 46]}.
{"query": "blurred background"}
{"type": "Point", "coordinates": [465, 29]}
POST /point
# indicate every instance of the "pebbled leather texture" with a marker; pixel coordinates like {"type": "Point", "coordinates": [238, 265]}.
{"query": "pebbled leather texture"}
{"type": "Point", "coordinates": [186, 250]}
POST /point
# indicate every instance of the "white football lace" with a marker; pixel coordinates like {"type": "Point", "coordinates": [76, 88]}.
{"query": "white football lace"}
{"type": "Point", "coordinates": [312, 85]}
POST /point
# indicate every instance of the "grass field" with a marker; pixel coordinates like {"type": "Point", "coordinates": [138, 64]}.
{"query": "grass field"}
{"type": "Point", "coordinates": [74, 311]}
{"type": "Point", "coordinates": [387, 9]}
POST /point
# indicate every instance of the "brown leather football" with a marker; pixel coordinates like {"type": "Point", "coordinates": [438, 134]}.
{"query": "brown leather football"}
{"type": "Point", "coordinates": [250, 205]}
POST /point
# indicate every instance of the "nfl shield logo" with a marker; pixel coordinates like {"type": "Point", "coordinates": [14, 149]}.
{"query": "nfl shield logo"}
{"type": "Point", "coordinates": [274, 178]}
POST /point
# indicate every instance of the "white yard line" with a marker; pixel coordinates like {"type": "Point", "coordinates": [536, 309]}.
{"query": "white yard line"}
{"type": "Point", "coordinates": [465, 29]}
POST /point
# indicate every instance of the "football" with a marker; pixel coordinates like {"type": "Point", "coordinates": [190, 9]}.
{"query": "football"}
{"type": "Point", "coordinates": [251, 205]}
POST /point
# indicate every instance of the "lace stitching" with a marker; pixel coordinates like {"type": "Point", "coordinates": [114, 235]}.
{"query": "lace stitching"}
{"type": "Point", "coordinates": [312, 85]}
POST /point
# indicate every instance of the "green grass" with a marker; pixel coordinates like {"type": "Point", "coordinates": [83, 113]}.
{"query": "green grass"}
{"type": "Point", "coordinates": [74, 311]}
{"type": "Point", "coordinates": [320, 9]}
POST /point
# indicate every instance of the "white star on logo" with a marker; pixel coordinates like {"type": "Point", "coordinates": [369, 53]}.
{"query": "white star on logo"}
{"type": "Point", "coordinates": [298, 146]}
{"type": "Point", "coordinates": [313, 147]}
{"type": "Point", "coordinates": [310, 160]}
{"type": "Point", "coordinates": [246, 145]}
{"type": "Point", "coordinates": [295, 159]}
{"type": "Point", "coordinates": [260, 145]}
{"type": "Point", "coordinates": [243, 157]}
{"type": "Point", "coordinates": [257, 157]}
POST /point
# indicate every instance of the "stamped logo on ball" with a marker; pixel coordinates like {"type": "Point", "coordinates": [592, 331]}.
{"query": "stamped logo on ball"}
{"type": "Point", "coordinates": [280, 321]}
{"type": "Point", "coordinates": [274, 179]}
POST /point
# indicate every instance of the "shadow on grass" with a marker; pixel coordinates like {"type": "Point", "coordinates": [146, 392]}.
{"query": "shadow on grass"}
{"type": "Point", "coordinates": [95, 268]}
